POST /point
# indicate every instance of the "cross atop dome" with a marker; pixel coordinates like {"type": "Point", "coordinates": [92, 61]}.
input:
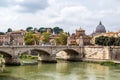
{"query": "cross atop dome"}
{"type": "Point", "coordinates": [100, 23]}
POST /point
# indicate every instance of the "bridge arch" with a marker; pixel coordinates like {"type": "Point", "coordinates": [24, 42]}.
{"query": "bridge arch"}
{"type": "Point", "coordinates": [68, 54]}
{"type": "Point", "coordinates": [5, 53]}
{"type": "Point", "coordinates": [33, 49]}
{"type": "Point", "coordinates": [7, 57]}
{"type": "Point", "coordinates": [41, 51]}
{"type": "Point", "coordinates": [67, 50]}
{"type": "Point", "coordinates": [39, 54]}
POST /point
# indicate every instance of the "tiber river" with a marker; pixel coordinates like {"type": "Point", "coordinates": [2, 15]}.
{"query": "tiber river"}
{"type": "Point", "coordinates": [61, 71]}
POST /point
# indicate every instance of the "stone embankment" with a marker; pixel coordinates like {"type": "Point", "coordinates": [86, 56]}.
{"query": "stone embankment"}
{"type": "Point", "coordinates": [102, 53]}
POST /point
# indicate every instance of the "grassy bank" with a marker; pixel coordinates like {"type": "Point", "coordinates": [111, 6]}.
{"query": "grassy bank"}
{"type": "Point", "coordinates": [105, 63]}
{"type": "Point", "coordinates": [109, 63]}
{"type": "Point", "coordinates": [28, 58]}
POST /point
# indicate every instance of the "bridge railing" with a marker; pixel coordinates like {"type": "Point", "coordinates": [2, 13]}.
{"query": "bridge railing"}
{"type": "Point", "coordinates": [37, 46]}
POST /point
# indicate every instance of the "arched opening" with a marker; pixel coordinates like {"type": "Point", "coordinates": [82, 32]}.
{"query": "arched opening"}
{"type": "Point", "coordinates": [68, 54]}
{"type": "Point", "coordinates": [43, 56]}
{"type": "Point", "coordinates": [34, 52]}
{"type": "Point", "coordinates": [34, 55]}
{"type": "Point", "coordinates": [40, 52]}
{"type": "Point", "coordinates": [5, 58]}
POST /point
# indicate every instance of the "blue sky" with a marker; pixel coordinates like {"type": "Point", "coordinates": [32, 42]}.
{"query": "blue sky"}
{"type": "Point", "coordinates": [67, 14]}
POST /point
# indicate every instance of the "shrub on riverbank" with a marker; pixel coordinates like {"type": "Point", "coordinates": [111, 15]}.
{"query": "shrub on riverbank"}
{"type": "Point", "coordinates": [27, 57]}
{"type": "Point", "coordinates": [108, 63]}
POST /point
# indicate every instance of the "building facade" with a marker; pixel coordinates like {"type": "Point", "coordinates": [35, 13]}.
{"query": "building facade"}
{"type": "Point", "coordinates": [75, 38]}
{"type": "Point", "coordinates": [4, 39]}
{"type": "Point", "coordinates": [13, 38]}
{"type": "Point", "coordinates": [17, 37]}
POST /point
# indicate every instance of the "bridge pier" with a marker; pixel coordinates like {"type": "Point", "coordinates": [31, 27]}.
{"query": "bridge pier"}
{"type": "Point", "coordinates": [13, 61]}
{"type": "Point", "coordinates": [47, 58]}
{"type": "Point", "coordinates": [69, 56]}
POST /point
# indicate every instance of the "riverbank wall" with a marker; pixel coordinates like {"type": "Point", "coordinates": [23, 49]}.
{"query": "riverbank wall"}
{"type": "Point", "coordinates": [102, 53]}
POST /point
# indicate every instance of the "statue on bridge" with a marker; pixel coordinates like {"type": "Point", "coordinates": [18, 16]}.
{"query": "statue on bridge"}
{"type": "Point", "coordinates": [68, 41]}
{"type": "Point", "coordinates": [81, 43]}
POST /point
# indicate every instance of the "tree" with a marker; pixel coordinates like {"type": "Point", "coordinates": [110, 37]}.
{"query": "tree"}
{"type": "Point", "coordinates": [9, 30]}
{"type": "Point", "coordinates": [29, 29]}
{"type": "Point", "coordinates": [111, 41]}
{"type": "Point", "coordinates": [117, 41]}
{"type": "Point", "coordinates": [51, 30]}
{"type": "Point", "coordinates": [57, 40]}
{"type": "Point", "coordinates": [42, 29]}
{"type": "Point", "coordinates": [2, 33]}
{"type": "Point", "coordinates": [107, 41]}
{"type": "Point", "coordinates": [36, 39]}
{"type": "Point", "coordinates": [63, 38]}
{"type": "Point", "coordinates": [35, 29]}
{"type": "Point", "coordinates": [45, 37]}
{"type": "Point", "coordinates": [31, 38]}
{"type": "Point", "coordinates": [57, 30]}
{"type": "Point", "coordinates": [99, 40]}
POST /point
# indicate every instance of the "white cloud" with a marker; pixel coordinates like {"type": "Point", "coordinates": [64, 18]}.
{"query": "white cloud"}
{"type": "Point", "coordinates": [68, 14]}
{"type": "Point", "coordinates": [33, 5]}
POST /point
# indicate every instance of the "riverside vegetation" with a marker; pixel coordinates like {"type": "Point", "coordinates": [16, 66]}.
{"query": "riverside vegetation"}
{"type": "Point", "coordinates": [30, 58]}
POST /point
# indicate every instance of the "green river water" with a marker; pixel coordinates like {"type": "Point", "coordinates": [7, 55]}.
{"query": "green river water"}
{"type": "Point", "coordinates": [61, 71]}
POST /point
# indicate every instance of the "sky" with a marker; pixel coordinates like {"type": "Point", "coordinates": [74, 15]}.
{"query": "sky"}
{"type": "Point", "coordinates": [67, 14]}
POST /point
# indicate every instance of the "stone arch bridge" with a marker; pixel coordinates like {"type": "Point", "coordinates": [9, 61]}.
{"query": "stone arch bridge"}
{"type": "Point", "coordinates": [46, 53]}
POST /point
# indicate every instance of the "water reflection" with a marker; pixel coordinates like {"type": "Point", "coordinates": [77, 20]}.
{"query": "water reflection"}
{"type": "Point", "coordinates": [3, 77]}
{"type": "Point", "coordinates": [61, 71]}
{"type": "Point", "coordinates": [2, 68]}
{"type": "Point", "coordinates": [62, 67]}
{"type": "Point", "coordinates": [97, 72]}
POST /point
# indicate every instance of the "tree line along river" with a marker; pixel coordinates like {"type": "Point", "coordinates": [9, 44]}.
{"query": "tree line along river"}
{"type": "Point", "coordinates": [61, 71]}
